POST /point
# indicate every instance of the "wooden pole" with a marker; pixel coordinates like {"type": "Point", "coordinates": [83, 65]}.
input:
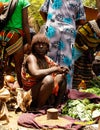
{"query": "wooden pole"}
{"type": "Point", "coordinates": [98, 5]}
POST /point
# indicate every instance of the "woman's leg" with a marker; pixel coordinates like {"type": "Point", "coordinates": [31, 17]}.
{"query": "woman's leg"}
{"type": "Point", "coordinates": [18, 59]}
{"type": "Point", "coordinates": [18, 55]}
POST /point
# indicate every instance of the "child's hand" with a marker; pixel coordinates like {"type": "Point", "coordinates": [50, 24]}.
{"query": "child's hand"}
{"type": "Point", "coordinates": [65, 69]}
{"type": "Point", "coordinates": [62, 70]}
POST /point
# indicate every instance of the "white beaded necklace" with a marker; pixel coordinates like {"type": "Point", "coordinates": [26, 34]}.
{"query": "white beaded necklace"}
{"type": "Point", "coordinates": [95, 26]}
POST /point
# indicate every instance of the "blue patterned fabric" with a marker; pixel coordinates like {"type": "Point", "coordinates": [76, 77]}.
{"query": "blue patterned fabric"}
{"type": "Point", "coordinates": [61, 29]}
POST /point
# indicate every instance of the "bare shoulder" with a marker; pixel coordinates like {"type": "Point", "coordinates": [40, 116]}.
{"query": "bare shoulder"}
{"type": "Point", "coordinates": [31, 58]}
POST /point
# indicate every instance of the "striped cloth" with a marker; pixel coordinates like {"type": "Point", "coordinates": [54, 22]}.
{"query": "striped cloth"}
{"type": "Point", "coordinates": [87, 41]}
{"type": "Point", "coordinates": [6, 36]}
{"type": "Point", "coordinates": [15, 47]}
{"type": "Point", "coordinates": [82, 71]}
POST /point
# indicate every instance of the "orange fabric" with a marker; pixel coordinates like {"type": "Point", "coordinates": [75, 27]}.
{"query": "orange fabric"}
{"type": "Point", "coordinates": [56, 86]}
{"type": "Point", "coordinates": [55, 90]}
{"type": "Point", "coordinates": [29, 81]}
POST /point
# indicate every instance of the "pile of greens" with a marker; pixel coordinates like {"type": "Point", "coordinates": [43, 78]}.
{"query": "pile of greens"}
{"type": "Point", "coordinates": [94, 86]}
{"type": "Point", "coordinates": [83, 110]}
{"type": "Point", "coordinates": [92, 90]}
{"type": "Point", "coordinates": [95, 82]}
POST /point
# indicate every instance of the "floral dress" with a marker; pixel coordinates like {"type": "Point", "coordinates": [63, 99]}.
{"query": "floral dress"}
{"type": "Point", "coordinates": [61, 30]}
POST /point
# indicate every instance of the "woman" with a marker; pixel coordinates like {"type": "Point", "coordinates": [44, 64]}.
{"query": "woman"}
{"type": "Point", "coordinates": [62, 18]}
{"type": "Point", "coordinates": [86, 44]}
{"type": "Point", "coordinates": [11, 37]}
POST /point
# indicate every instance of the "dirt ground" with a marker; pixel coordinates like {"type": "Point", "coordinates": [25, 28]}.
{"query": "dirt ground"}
{"type": "Point", "coordinates": [12, 125]}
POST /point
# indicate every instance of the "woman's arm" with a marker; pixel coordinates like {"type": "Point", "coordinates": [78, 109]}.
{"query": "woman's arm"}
{"type": "Point", "coordinates": [44, 9]}
{"type": "Point", "coordinates": [26, 27]}
{"type": "Point", "coordinates": [98, 4]}
{"type": "Point", "coordinates": [44, 15]}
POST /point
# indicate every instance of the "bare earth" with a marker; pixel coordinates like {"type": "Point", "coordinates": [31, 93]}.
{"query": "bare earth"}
{"type": "Point", "coordinates": [12, 125]}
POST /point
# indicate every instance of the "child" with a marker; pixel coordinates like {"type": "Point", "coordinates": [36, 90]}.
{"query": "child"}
{"type": "Point", "coordinates": [42, 75]}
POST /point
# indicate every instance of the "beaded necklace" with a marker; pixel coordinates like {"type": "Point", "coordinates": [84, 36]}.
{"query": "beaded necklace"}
{"type": "Point", "coordinates": [95, 26]}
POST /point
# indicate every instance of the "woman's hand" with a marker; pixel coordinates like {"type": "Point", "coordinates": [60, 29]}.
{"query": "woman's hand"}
{"type": "Point", "coordinates": [27, 48]}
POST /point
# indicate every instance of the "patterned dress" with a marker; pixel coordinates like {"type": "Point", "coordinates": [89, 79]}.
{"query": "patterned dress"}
{"type": "Point", "coordinates": [86, 44]}
{"type": "Point", "coordinates": [14, 25]}
{"type": "Point", "coordinates": [61, 30]}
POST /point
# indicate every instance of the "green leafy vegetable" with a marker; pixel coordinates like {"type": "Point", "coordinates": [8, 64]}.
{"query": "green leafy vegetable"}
{"type": "Point", "coordinates": [80, 109]}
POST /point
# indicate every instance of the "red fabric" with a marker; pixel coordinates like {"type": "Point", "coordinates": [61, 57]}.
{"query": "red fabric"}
{"type": "Point", "coordinates": [55, 90]}
{"type": "Point", "coordinates": [75, 94]}
{"type": "Point", "coordinates": [29, 82]}
{"type": "Point", "coordinates": [27, 120]}
{"type": "Point", "coordinates": [21, 32]}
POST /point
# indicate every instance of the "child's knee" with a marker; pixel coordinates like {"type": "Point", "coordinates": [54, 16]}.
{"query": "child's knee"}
{"type": "Point", "coordinates": [48, 80]}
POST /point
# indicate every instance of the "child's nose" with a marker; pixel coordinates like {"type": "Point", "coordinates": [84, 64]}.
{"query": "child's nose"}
{"type": "Point", "coordinates": [41, 45]}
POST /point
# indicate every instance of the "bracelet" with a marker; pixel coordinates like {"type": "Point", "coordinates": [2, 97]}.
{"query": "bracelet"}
{"type": "Point", "coordinates": [95, 26]}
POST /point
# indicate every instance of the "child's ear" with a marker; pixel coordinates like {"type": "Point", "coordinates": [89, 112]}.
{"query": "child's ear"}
{"type": "Point", "coordinates": [48, 49]}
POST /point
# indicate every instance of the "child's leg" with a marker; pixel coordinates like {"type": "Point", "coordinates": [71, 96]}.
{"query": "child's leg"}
{"type": "Point", "coordinates": [45, 90]}
{"type": "Point", "coordinates": [62, 89]}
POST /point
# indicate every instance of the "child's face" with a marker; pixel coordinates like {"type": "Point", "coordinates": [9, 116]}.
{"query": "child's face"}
{"type": "Point", "coordinates": [41, 48]}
